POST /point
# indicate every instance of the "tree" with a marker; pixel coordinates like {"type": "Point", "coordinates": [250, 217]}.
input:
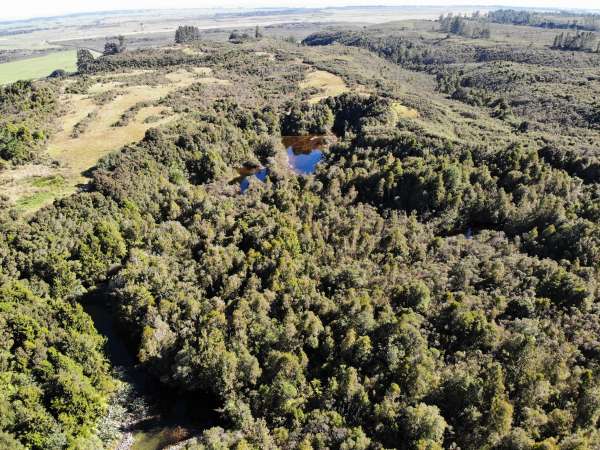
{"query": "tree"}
{"type": "Point", "coordinates": [580, 41]}
{"type": "Point", "coordinates": [113, 48]}
{"type": "Point", "coordinates": [58, 73]}
{"type": "Point", "coordinates": [122, 45]}
{"type": "Point", "coordinates": [473, 27]}
{"type": "Point", "coordinates": [416, 295]}
{"type": "Point", "coordinates": [237, 37]}
{"type": "Point", "coordinates": [257, 33]}
{"type": "Point", "coordinates": [558, 41]}
{"type": "Point", "coordinates": [187, 34]}
{"type": "Point", "coordinates": [424, 426]}
{"type": "Point", "coordinates": [84, 58]}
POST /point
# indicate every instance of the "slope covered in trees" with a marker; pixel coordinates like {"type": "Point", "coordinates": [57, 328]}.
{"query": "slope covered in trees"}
{"type": "Point", "coordinates": [561, 20]}
{"type": "Point", "coordinates": [434, 284]}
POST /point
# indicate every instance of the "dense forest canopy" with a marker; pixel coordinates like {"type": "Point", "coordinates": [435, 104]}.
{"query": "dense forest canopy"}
{"type": "Point", "coordinates": [25, 112]}
{"type": "Point", "coordinates": [434, 284]}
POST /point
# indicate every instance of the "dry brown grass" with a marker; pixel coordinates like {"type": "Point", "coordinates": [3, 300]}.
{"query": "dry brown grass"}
{"type": "Point", "coordinates": [404, 112]}
{"type": "Point", "coordinates": [268, 55]}
{"type": "Point", "coordinates": [12, 181]}
{"type": "Point", "coordinates": [76, 155]}
{"type": "Point", "coordinates": [328, 84]}
{"type": "Point", "coordinates": [81, 153]}
{"type": "Point", "coordinates": [32, 186]}
{"type": "Point", "coordinates": [191, 51]}
{"type": "Point", "coordinates": [101, 138]}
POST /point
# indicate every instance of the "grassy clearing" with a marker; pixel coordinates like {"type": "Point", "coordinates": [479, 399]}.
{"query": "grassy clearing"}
{"type": "Point", "coordinates": [39, 67]}
{"type": "Point", "coordinates": [404, 112]}
{"type": "Point", "coordinates": [17, 184]}
{"type": "Point", "coordinates": [35, 191]}
{"type": "Point", "coordinates": [32, 187]}
{"type": "Point", "coordinates": [191, 51]}
{"type": "Point", "coordinates": [49, 182]}
{"type": "Point", "coordinates": [35, 201]}
{"type": "Point", "coordinates": [328, 85]}
{"type": "Point", "coordinates": [78, 154]}
{"type": "Point", "coordinates": [100, 137]}
{"type": "Point", "coordinates": [270, 56]}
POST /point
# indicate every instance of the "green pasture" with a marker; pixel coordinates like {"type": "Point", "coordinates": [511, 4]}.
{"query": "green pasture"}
{"type": "Point", "coordinates": [38, 67]}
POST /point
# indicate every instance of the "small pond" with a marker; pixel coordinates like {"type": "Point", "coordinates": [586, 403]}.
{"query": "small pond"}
{"type": "Point", "coordinates": [303, 153]}
{"type": "Point", "coordinates": [248, 172]}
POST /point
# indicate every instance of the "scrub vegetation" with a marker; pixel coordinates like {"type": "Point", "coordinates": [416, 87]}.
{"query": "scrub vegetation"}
{"type": "Point", "coordinates": [433, 283]}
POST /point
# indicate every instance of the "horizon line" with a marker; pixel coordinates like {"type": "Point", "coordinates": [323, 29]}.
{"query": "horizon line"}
{"type": "Point", "coordinates": [283, 8]}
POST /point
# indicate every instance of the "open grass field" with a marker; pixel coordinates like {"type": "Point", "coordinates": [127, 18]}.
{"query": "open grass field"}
{"type": "Point", "coordinates": [102, 136]}
{"type": "Point", "coordinates": [404, 111]}
{"type": "Point", "coordinates": [27, 69]}
{"type": "Point", "coordinates": [327, 84]}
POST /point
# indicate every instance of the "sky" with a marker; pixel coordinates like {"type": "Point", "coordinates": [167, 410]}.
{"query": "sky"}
{"type": "Point", "coordinates": [21, 9]}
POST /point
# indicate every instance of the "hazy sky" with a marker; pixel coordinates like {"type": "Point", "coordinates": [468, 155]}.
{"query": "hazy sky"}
{"type": "Point", "coordinates": [31, 8]}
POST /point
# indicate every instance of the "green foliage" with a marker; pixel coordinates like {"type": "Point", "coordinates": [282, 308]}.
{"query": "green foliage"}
{"type": "Point", "coordinates": [580, 41]}
{"type": "Point", "coordinates": [84, 60]}
{"type": "Point", "coordinates": [560, 20]}
{"type": "Point", "coordinates": [16, 142]}
{"type": "Point", "coordinates": [237, 37]}
{"type": "Point", "coordinates": [187, 33]}
{"type": "Point", "coordinates": [304, 118]}
{"type": "Point", "coordinates": [25, 110]}
{"type": "Point", "coordinates": [473, 27]}
{"type": "Point", "coordinates": [54, 379]}
{"type": "Point", "coordinates": [114, 48]}
{"type": "Point", "coordinates": [423, 289]}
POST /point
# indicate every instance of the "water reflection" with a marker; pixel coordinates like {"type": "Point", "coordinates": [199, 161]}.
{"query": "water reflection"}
{"type": "Point", "coordinates": [245, 175]}
{"type": "Point", "coordinates": [303, 153]}
{"type": "Point", "coordinates": [305, 144]}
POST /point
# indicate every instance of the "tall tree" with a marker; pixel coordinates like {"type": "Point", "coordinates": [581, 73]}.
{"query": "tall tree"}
{"type": "Point", "coordinates": [84, 57]}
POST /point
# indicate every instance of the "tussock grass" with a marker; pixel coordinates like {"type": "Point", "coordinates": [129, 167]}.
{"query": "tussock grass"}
{"type": "Point", "coordinates": [75, 153]}
{"type": "Point", "coordinates": [404, 111]}
{"type": "Point", "coordinates": [327, 84]}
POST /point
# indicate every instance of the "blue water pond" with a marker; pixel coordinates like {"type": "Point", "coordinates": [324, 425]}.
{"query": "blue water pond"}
{"type": "Point", "coordinates": [303, 152]}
